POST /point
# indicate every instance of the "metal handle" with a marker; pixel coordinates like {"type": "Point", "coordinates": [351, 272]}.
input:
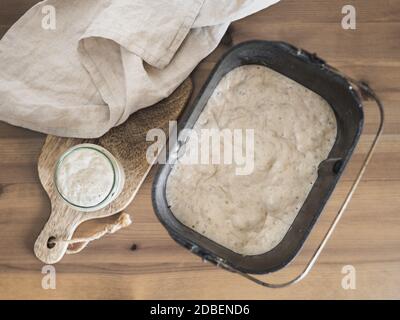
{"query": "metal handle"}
{"type": "Point", "coordinates": [366, 93]}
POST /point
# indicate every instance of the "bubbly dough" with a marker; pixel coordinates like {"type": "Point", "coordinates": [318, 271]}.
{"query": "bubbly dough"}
{"type": "Point", "coordinates": [294, 130]}
{"type": "Point", "coordinates": [85, 177]}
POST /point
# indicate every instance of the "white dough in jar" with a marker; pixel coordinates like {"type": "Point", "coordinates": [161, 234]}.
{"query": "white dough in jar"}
{"type": "Point", "coordinates": [85, 177]}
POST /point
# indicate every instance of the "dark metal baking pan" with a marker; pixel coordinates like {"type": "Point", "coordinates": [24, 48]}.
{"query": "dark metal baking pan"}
{"type": "Point", "coordinates": [309, 71]}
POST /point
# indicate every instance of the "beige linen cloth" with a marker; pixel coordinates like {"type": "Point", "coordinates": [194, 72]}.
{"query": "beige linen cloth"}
{"type": "Point", "coordinates": [105, 59]}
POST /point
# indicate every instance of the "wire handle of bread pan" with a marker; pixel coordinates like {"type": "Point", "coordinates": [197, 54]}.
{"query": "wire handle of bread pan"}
{"type": "Point", "coordinates": [366, 94]}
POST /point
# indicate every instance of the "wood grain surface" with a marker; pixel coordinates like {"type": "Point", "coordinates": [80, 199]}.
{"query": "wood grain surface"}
{"type": "Point", "coordinates": [368, 237]}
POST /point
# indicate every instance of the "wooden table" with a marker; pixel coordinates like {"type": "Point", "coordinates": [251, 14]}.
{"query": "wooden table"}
{"type": "Point", "coordinates": [367, 238]}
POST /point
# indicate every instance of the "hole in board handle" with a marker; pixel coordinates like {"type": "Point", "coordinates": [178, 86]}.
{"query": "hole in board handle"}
{"type": "Point", "coordinates": [51, 243]}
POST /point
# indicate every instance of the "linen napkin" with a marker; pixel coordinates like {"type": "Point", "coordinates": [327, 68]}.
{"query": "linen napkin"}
{"type": "Point", "coordinates": [78, 68]}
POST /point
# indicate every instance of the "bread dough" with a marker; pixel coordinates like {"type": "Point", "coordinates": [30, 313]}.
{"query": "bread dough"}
{"type": "Point", "coordinates": [294, 131]}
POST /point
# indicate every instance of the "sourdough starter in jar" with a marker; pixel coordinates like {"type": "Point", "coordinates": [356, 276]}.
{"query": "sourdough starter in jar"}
{"type": "Point", "coordinates": [88, 177]}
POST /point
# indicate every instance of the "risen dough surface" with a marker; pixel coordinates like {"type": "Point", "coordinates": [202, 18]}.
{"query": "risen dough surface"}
{"type": "Point", "coordinates": [294, 130]}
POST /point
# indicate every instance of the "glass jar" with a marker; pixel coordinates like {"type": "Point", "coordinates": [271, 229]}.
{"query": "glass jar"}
{"type": "Point", "coordinates": [88, 177]}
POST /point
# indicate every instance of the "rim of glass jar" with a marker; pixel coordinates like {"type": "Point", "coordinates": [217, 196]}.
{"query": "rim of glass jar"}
{"type": "Point", "coordinates": [99, 149]}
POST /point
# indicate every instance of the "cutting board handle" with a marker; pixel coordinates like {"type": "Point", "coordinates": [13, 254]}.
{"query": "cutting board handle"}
{"type": "Point", "coordinates": [60, 226]}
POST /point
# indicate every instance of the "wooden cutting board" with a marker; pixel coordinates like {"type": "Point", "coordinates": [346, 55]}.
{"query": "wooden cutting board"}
{"type": "Point", "coordinates": [128, 144]}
